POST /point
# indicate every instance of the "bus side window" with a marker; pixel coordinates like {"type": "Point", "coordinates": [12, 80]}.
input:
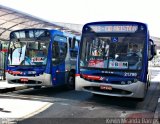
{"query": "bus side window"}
{"type": "Point", "coordinates": [55, 53]}
{"type": "Point", "coordinates": [74, 49]}
{"type": "Point", "coordinates": [73, 53]}
{"type": "Point", "coordinates": [59, 50]}
{"type": "Point", "coordinates": [62, 50]}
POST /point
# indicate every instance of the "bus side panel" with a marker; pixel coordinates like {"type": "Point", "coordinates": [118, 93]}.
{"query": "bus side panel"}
{"type": "Point", "coordinates": [58, 70]}
{"type": "Point", "coordinates": [145, 61]}
{"type": "Point", "coordinates": [60, 73]}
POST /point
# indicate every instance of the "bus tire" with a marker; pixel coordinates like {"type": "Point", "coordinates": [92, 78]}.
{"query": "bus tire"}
{"type": "Point", "coordinates": [37, 87]}
{"type": "Point", "coordinates": [140, 99]}
{"type": "Point", "coordinates": [71, 81]}
{"type": "Point", "coordinates": [96, 95]}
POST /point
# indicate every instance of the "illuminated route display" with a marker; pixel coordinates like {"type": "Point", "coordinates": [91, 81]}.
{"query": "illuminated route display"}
{"type": "Point", "coordinates": [114, 28]}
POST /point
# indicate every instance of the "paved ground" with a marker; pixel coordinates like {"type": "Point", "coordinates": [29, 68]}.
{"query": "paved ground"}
{"type": "Point", "coordinates": [18, 108]}
{"type": "Point", "coordinates": [156, 78]}
{"type": "Point", "coordinates": [72, 105]}
{"type": "Point", "coordinates": [6, 87]}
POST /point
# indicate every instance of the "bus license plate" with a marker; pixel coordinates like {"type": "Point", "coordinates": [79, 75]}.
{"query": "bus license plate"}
{"type": "Point", "coordinates": [24, 79]}
{"type": "Point", "coordinates": [102, 87]}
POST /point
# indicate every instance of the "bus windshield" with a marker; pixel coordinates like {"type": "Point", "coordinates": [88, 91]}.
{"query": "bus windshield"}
{"type": "Point", "coordinates": [121, 51]}
{"type": "Point", "coordinates": [28, 52]}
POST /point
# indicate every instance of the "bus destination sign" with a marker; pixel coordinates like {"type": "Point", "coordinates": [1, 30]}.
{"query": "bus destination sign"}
{"type": "Point", "coordinates": [114, 28]}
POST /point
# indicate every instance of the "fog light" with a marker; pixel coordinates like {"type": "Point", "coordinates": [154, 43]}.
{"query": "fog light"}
{"type": "Point", "coordinates": [129, 82]}
{"type": "Point", "coordinates": [135, 80]}
{"type": "Point", "coordinates": [123, 83]}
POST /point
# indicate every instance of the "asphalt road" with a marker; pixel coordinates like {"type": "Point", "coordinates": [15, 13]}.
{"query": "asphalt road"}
{"type": "Point", "coordinates": [81, 107]}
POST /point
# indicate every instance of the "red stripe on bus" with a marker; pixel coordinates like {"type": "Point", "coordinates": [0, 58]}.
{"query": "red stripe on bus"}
{"type": "Point", "coordinates": [92, 77]}
{"type": "Point", "coordinates": [77, 74]}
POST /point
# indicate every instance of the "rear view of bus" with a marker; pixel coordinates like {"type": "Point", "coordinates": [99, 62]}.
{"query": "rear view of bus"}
{"type": "Point", "coordinates": [113, 59]}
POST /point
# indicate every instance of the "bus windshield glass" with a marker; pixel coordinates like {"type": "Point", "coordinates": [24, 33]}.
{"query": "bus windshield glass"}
{"type": "Point", "coordinates": [117, 48]}
{"type": "Point", "coordinates": [28, 51]}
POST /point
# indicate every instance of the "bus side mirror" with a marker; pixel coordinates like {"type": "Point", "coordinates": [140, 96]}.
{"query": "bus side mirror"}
{"type": "Point", "coordinates": [70, 42]}
{"type": "Point", "coordinates": [152, 49]}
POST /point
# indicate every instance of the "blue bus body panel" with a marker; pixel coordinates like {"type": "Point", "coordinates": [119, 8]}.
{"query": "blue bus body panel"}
{"type": "Point", "coordinates": [108, 76]}
{"type": "Point", "coordinates": [27, 71]}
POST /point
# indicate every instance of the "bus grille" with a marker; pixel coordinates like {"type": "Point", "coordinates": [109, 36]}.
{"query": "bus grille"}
{"type": "Point", "coordinates": [28, 82]}
{"type": "Point", "coordinates": [111, 82]}
{"type": "Point", "coordinates": [113, 91]}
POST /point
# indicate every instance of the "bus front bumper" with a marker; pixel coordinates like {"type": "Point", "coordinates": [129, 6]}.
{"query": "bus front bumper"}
{"type": "Point", "coordinates": [135, 90]}
{"type": "Point", "coordinates": [41, 80]}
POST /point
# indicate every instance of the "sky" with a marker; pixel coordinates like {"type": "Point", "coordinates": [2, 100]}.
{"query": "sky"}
{"type": "Point", "coordinates": [84, 11]}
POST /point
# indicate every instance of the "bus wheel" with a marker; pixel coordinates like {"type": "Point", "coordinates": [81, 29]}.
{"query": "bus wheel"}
{"type": "Point", "coordinates": [140, 99]}
{"type": "Point", "coordinates": [71, 81]}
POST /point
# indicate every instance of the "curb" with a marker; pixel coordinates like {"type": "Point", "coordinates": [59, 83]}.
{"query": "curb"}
{"type": "Point", "coordinates": [11, 89]}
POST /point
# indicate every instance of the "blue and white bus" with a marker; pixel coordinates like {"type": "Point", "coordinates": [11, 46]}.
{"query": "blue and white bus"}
{"type": "Point", "coordinates": [113, 59]}
{"type": "Point", "coordinates": [42, 57]}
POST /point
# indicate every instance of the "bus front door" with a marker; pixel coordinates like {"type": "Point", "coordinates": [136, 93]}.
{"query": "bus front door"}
{"type": "Point", "coordinates": [58, 62]}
